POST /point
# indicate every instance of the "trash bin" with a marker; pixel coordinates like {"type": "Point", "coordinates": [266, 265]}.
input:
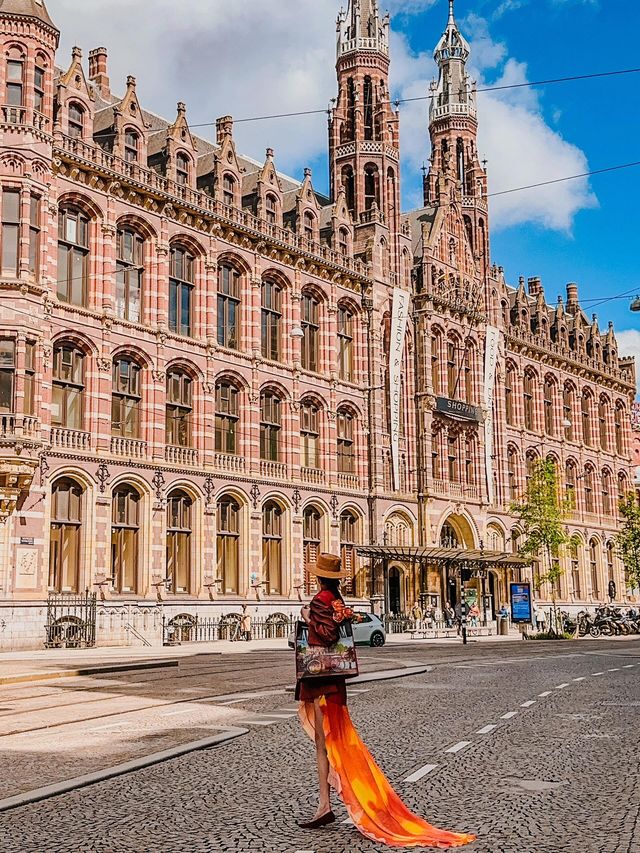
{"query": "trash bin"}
{"type": "Point", "coordinates": [503, 626]}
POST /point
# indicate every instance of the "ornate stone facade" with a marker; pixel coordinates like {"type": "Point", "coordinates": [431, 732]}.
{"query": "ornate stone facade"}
{"type": "Point", "coordinates": [195, 351]}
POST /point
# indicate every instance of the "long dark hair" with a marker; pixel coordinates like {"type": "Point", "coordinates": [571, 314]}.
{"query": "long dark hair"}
{"type": "Point", "coordinates": [333, 585]}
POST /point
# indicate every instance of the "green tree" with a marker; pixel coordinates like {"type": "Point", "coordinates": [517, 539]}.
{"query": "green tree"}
{"type": "Point", "coordinates": [628, 539]}
{"type": "Point", "coordinates": [542, 512]}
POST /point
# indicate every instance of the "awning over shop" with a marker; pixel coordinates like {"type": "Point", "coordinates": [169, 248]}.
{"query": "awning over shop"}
{"type": "Point", "coordinates": [435, 556]}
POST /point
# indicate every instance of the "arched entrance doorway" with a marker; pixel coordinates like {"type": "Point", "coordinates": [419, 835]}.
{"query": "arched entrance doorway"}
{"type": "Point", "coordinates": [396, 597]}
{"type": "Point", "coordinates": [456, 532]}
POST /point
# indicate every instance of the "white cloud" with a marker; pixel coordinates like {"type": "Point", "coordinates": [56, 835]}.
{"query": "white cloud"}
{"type": "Point", "coordinates": [251, 59]}
{"type": "Point", "coordinates": [629, 345]}
{"type": "Point", "coordinates": [244, 58]}
{"type": "Point", "coordinates": [520, 145]}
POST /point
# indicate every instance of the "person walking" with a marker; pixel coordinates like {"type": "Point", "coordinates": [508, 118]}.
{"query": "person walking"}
{"type": "Point", "coordinates": [474, 613]}
{"type": "Point", "coordinates": [344, 762]}
{"type": "Point", "coordinates": [245, 623]}
{"type": "Point", "coordinates": [450, 615]}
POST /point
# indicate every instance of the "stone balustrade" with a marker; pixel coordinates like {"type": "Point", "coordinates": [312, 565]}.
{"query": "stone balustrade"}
{"type": "Point", "coordinates": [348, 481]}
{"type": "Point", "coordinates": [228, 462]}
{"type": "Point", "coordinates": [129, 448]}
{"type": "Point", "coordinates": [70, 439]}
{"type": "Point", "coordinates": [273, 470]}
{"type": "Point", "coordinates": [312, 476]}
{"type": "Point", "coordinates": [182, 456]}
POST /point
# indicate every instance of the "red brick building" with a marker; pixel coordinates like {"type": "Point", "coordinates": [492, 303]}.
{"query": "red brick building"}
{"type": "Point", "coordinates": [206, 375]}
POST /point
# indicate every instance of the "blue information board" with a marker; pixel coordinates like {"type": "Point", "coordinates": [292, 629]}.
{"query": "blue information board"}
{"type": "Point", "coordinates": [520, 594]}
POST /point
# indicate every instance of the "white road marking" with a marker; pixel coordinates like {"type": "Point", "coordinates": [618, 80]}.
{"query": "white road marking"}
{"type": "Point", "coordinates": [509, 715]}
{"type": "Point", "coordinates": [513, 660]}
{"type": "Point", "coordinates": [111, 726]}
{"type": "Point", "coordinates": [415, 777]}
{"type": "Point", "coordinates": [580, 678]}
{"type": "Point", "coordinates": [356, 690]}
{"type": "Point", "coordinates": [231, 701]}
{"type": "Point", "coordinates": [287, 715]}
{"type": "Point", "coordinates": [458, 746]}
{"type": "Point", "coordinates": [546, 693]}
{"type": "Point", "coordinates": [528, 704]}
{"type": "Point", "coordinates": [486, 729]}
{"type": "Point", "coordinates": [628, 665]}
{"type": "Point", "coordinates": [348, 821]}
{"type": "Point", "coordinates": [561, 686]}
{"type": "Point", "coordinates": [175, 713]}
{"type": "Point", "coordinates": [597, 673]}
{"type": "Point", "coordinates": [614, 669]}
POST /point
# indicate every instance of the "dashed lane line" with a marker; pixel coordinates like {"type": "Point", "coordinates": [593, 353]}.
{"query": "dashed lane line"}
{"type": "Point", "coordinates": [486, 729]}
{"type": "Point", "coordinates": [528, 704]}
{"type": "Point", "coordinates": [509, 715]}
{"type": "Point", "coordinates": [112, 726]}
{"type": "Point", "coordinates": [614, 669]}
{"type": "Point", "coordinates": [628, 665]}
{"type": "Point", "coordinates": [422, 771]}
{"type": "Point", "coordinates": [597, 673]}
{"type": "Point", "coordinates": [546, 693]}
{"type": "Point", "coordinates": [580, 678]}
{"type": "Point", "coordinates": [561, 686]}
{"type": "Point", "coordinates": [463, 744]}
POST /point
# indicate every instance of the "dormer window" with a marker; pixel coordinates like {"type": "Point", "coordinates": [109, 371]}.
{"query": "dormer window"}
{"type": "Point", "coordinates": [131, 143]}
{"type": "Point", "coordinates": [38, 87]}
{"type": "Point", "coordinates": [229, 190]}
{"type": "Point", "coordinates": [309, 225]}
{"type": "Point", "coordinates": [76, 121]}
{"type": "Point", "coordinates": [182, 170]}
{"type": "Point", "coordinates": [271, 206]}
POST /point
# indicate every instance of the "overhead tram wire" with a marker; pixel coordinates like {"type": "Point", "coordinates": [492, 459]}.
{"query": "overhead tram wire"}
{"type": "Point", "coordinates": [399, 101]}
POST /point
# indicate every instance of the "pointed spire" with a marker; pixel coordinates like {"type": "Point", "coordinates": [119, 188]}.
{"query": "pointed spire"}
{"type": "Point", "coordinates": [454, 92]}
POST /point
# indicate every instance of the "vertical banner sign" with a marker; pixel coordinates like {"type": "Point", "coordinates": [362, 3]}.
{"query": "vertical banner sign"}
{"type": "Point", "coordinates": [399, 316]}
{"type": "Point", "coordinates": [490, 364]}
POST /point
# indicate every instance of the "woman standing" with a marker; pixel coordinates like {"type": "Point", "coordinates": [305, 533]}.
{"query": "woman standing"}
{"type": "Point", "coordinates": [344, 762]}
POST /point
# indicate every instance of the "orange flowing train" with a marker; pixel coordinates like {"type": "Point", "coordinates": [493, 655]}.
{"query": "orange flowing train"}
{"type": "Point", "coordinates": [373, 806]}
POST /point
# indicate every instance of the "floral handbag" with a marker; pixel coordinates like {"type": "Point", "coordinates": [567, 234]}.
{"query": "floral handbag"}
{"type": "Point", "coordinates": [323, 661]}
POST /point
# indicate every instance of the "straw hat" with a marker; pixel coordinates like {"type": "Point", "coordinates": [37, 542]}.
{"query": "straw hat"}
{"type": "Point", "coordinates": [327, 566]}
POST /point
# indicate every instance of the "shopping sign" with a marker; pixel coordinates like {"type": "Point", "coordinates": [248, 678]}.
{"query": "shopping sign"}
{"type": "Point", "coordinates": [520, 594]}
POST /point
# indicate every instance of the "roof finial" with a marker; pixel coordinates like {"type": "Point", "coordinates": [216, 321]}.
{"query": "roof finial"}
{"type": "Point", "coordinates": [451, 15]}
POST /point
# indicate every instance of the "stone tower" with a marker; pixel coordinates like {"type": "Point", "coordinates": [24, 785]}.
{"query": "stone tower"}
{"type": "Point", "coordinates": [455, 169]}
{"type": "Point", "coordinates": [364, 133]}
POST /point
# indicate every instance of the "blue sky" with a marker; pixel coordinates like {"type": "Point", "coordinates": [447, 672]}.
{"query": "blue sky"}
{"type": "Point", "coordinates": [249, 58]}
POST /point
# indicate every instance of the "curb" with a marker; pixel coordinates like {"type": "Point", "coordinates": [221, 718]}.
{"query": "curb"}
{"type": "Point", "coordinates": [48, 791]}
{"type": "Point", "coordinates": [85, 670]}
{"type": "Point", "coordinates": [382, 675]}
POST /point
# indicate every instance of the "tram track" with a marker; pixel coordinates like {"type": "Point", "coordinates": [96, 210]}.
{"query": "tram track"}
{"type": "Point", "coordinates": [123, 689]}
{"type": "Point", "coordinates": [276, 691]}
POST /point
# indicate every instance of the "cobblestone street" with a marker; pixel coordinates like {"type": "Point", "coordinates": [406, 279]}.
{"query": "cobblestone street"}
{"type": "Point", "coordinates": [532, 746]}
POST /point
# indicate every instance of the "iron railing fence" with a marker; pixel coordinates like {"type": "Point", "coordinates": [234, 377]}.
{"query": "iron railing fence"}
{"type": "Point", "coordinates": [71, 620]}
{"type": "Point", "coordinates": [192, 629]}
